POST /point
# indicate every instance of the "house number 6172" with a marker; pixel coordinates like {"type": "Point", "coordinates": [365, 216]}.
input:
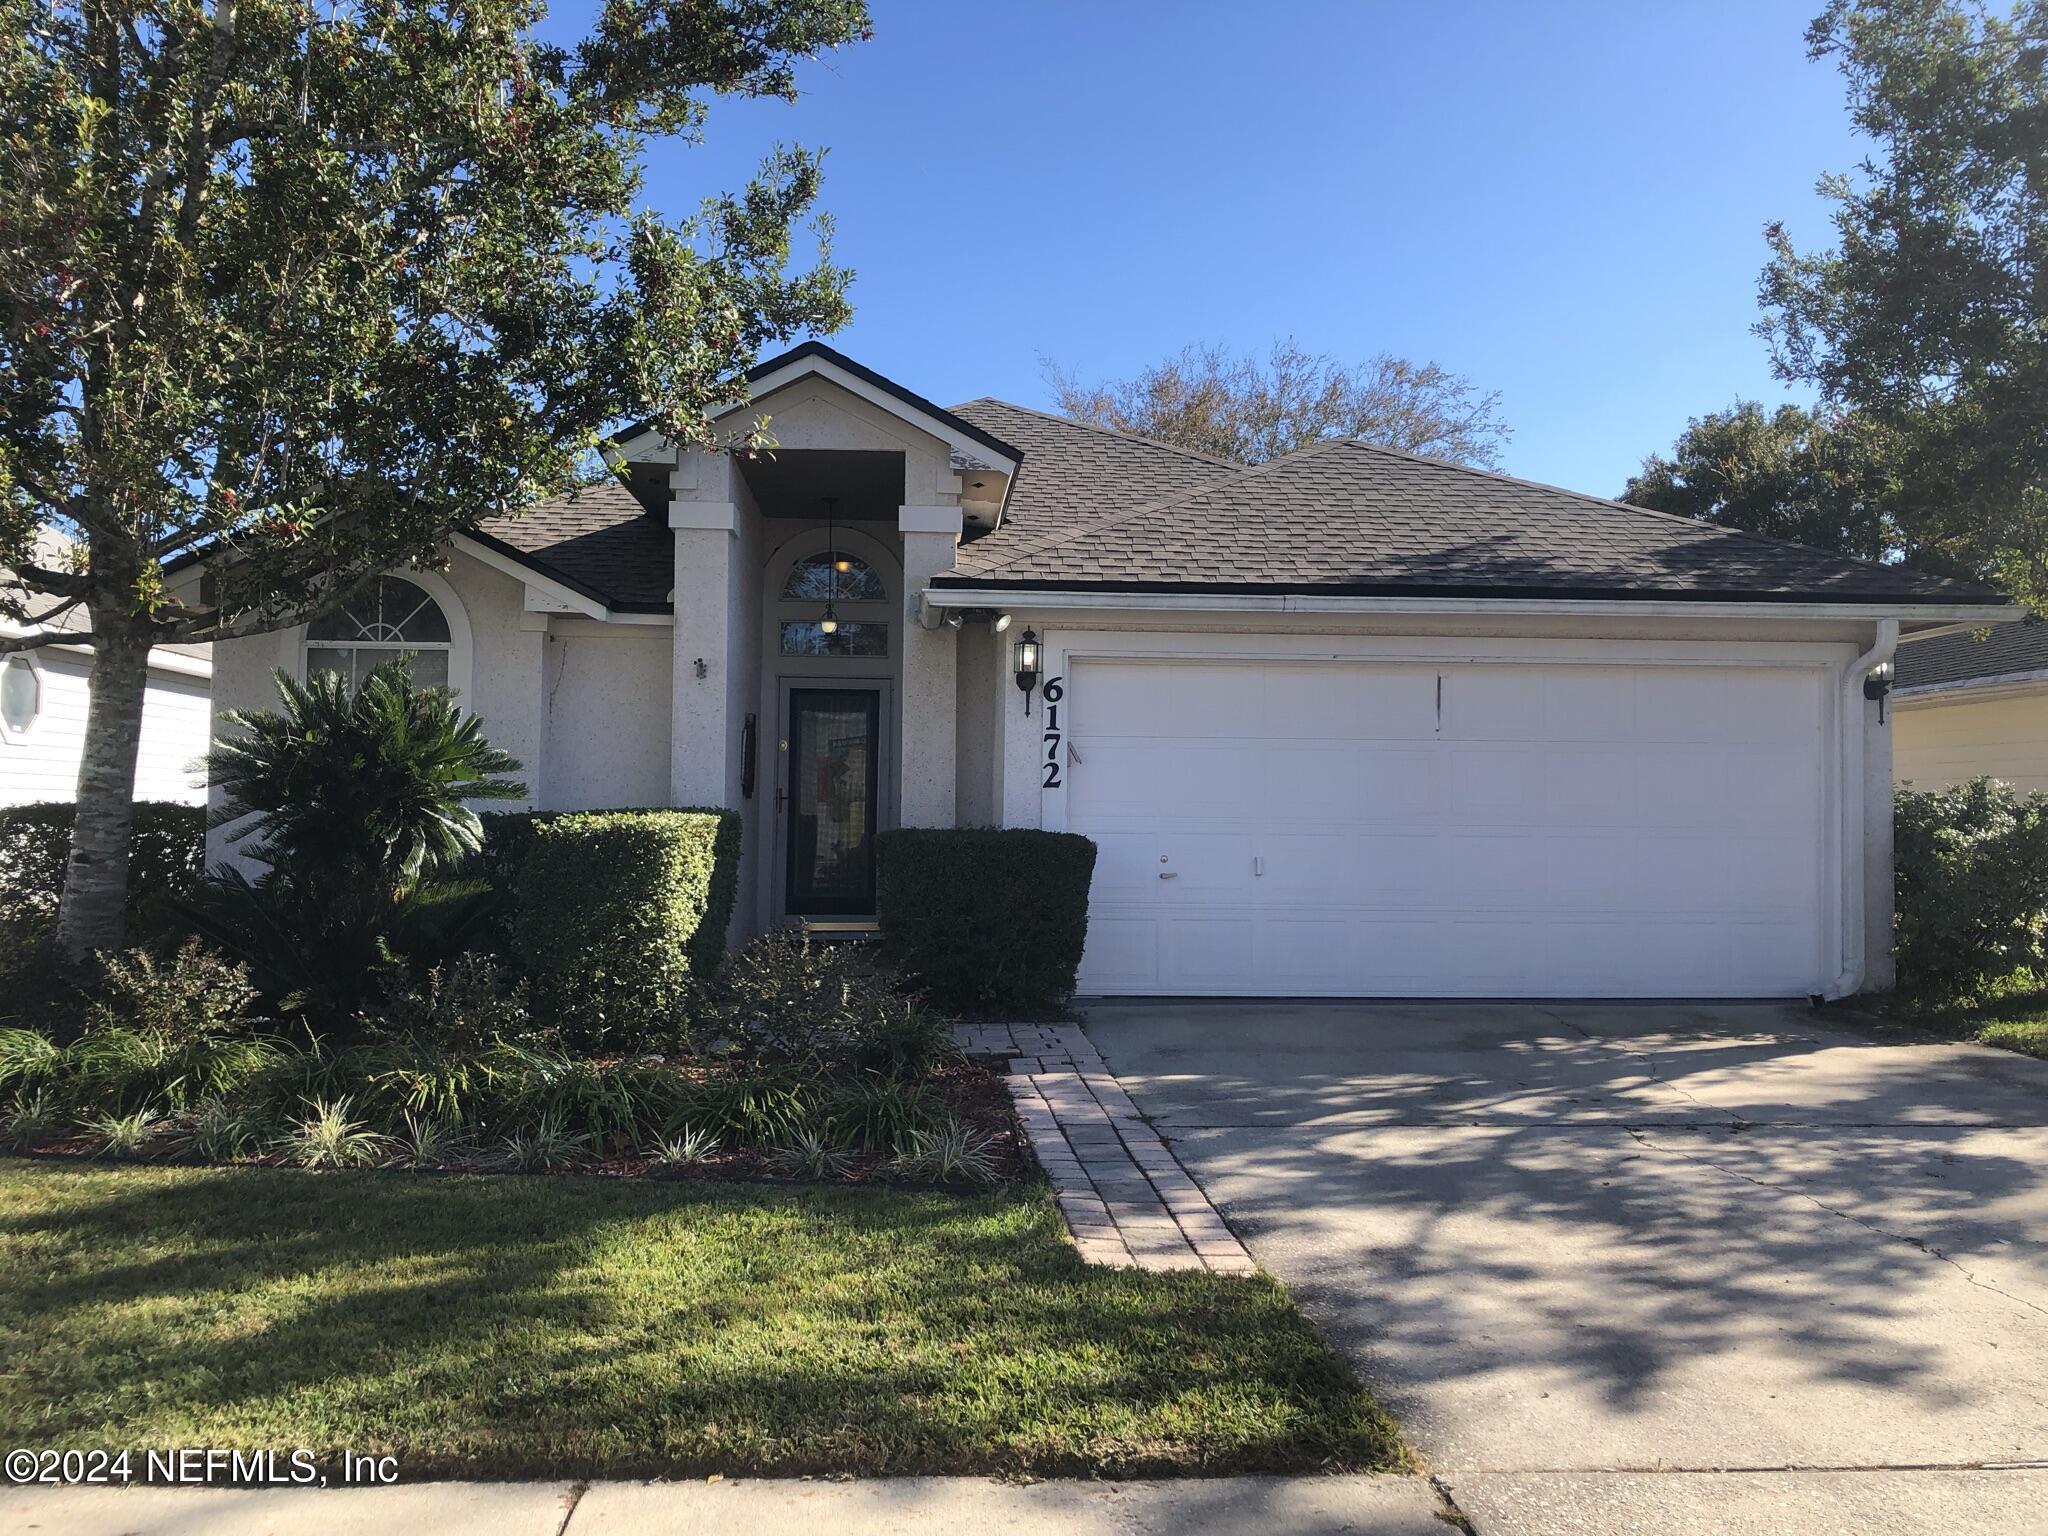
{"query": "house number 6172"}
{"type": "Point", "coordinates": [1052, 693]}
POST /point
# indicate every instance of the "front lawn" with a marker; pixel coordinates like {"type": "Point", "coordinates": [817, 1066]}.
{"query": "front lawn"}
{"type": "Point", "coordinates": [2014, 1018]}
{"type": "Point", "coordinates": [519, 1327]}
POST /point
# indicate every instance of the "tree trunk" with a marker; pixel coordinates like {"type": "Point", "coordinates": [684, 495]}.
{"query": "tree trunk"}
{"type": "Point", "coordinates": [96, 874]}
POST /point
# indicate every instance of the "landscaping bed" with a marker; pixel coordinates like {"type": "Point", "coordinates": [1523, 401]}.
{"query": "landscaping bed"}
{"type": "Point", "coordinates": [530, 1327]}
{"type": "Point", "coordinates": [2013, 1018]}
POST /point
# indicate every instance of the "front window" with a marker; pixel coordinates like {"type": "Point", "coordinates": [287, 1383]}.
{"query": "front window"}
{"type": "Point", "coordinates": [21, 693]}
{"type": "Point", "coordinates": [392, 619]}
{"type": "Point", "coordinates": [836, 577]}
{"type": "Point", "coordinates": [853, 637]}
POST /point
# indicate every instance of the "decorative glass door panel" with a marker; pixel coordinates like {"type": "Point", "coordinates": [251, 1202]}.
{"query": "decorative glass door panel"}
{"type": "Point", "coordinates": [832, 800]}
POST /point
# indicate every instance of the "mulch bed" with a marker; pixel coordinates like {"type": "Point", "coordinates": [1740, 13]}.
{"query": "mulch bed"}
{"type": "Point", "coordinates": [969, 1088]}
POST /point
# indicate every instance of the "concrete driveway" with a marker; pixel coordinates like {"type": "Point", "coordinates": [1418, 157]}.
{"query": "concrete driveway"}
{"type": "Point", "coordinates": [1643, 1267]}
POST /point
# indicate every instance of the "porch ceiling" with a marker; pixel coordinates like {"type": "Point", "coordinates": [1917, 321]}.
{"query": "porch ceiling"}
{"type": "Point", "coordinates": [795, 482]}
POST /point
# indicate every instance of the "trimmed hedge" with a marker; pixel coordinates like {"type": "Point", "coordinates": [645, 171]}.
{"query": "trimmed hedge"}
{"type": "Point", "coordinates": [164, 860]}
{"type": "Point", "coordinates": [985, 920]}
{"type": "Point", "coordinates": [617, 911]}
{"type": "Point", "coordinates": [1971, 866]}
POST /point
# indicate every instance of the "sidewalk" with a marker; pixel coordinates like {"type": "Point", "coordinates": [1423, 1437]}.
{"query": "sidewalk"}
{"type": "Point", "coordinates": [912, 1506]}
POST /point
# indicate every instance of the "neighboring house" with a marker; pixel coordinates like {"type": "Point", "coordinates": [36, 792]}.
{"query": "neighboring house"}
{"type": "Point", "coordinates": [1349, 723]}
{"type": "Point", "coordinates": [1973, 703]}
{"type": "Point", "coordinates": [43, 697]}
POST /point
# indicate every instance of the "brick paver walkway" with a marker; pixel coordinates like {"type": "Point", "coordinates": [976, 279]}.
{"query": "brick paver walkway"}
{"type": "Point", "coordinates": [1126, 1197]}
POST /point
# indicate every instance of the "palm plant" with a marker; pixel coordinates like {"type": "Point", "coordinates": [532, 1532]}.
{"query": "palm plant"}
{"type": "Point", "coordinates": [357, 802]}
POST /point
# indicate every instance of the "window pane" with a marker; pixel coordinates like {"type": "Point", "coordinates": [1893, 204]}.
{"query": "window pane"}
{"type": "Point", "coordinates": [394, 609]}
{"type": "Point", "coordinates": [818, 579]}
{"type": "Point", "coordinates": [20, 694]}
{"type": "Point", "coordinates": [320, 658]}
{"type": "Point", "coordinates": [430, 668]}
{"type": "Point", "coordinates": [855, 637]}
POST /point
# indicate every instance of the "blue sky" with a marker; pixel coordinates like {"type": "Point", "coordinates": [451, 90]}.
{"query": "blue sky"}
{"type": "Point", "coordinates": [1563, 202]}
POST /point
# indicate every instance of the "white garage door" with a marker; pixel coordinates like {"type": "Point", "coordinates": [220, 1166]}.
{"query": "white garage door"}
{"type": "Point", "coordinates": [1356, 829]}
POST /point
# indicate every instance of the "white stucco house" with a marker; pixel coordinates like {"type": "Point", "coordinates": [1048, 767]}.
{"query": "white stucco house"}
{"type": "Point", "coordinates": [1348, 723]}
{"type": "Point", "coordinates": [1974, 704]}
{"type": "Point", "coordinates": [43, 698]}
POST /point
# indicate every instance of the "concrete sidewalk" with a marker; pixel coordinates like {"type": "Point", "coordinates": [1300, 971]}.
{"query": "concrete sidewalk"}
{"type": "Point", "coordinates": [911, 1506]}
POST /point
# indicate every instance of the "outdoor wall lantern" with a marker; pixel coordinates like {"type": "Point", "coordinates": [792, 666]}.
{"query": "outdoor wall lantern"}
{"type": "Point", "coordinates": [1876, 684]}
{"type": "Point", "coordinates": [1026, 653]}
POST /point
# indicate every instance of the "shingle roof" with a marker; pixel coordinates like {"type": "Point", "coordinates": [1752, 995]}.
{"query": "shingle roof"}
{"type": "Point", "coordinates": [1346, 516]}
{"type": "Point", "coordinates": [599, 541]}
{"type": "Point", "coordinates": [1971, 655]}
{"type": "Point", "coordinates": [1074, 473]}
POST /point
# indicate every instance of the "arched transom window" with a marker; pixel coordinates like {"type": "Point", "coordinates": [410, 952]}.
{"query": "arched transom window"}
{"type": "Point", "coordinates": [390, 619]}
{"type": "Point", "coordinates": [852, 589]}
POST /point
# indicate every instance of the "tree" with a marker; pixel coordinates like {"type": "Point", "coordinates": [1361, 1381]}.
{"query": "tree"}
{"type": "Point", "coordinates": [1927, 318]}
{"type": "Point", "coordinates": [1810, 477]}
{"type": "Point", "coordinates": [313, 286]}
{"type": "Point", "coordinates": [1235, 407]}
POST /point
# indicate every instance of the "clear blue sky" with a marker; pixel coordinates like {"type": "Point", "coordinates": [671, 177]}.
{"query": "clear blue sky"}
{"type": "Point", "coordinates": [1563, 201]}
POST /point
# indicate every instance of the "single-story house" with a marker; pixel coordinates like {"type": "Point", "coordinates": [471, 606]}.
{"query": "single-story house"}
{"type": "Point", "coordinates": [1973, 703]}
{"type": "Point", "coordinates": [43, 696]}
{"type": "Point", "coordinates": [1352, 722]}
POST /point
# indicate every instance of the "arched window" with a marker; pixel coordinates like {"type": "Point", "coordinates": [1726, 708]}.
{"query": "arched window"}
{"type": "Point", "coordinates": [392, 618]}
{"type": "Point", "coordinates": [842, 577]}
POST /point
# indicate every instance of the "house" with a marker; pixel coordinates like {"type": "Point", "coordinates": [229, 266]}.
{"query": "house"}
{"type": "Point", "coordinates": [1349, 723]}
{"type": "Point", "coordinates": [43, 696]}
{"type": "Point", "coordinates": [1972, 703]}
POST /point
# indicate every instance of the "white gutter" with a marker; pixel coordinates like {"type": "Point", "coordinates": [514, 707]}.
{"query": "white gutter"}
{"type": "Point", "coordinates": [1855, 930]}
{"type": "Point", "coordinates": [1298, 602]}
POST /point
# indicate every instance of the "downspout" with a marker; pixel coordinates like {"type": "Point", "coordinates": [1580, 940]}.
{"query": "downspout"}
{"type": "Point", "coordinates": [1854, 806]}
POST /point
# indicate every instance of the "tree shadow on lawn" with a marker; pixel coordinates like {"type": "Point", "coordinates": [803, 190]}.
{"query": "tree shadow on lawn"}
{"type": "Point", "coordinates": [521, 1326]}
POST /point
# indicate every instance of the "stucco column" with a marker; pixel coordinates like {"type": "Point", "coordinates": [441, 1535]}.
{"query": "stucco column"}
{"type": "Point", "coordinates": [930, 660]}
{"type": "Point", "coordinates": [701, 734]}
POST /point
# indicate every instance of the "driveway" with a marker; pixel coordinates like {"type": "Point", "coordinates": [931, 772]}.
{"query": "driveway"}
{"type": "Point", "coordinates": [1619, 1266]}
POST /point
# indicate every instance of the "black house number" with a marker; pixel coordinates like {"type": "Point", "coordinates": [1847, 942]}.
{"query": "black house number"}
{"type": "Point", "coordinates": [1053, 691]}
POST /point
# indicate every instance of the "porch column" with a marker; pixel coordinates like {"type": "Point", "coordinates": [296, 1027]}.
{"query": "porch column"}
{"type": "Point", "coordinates": [930, 662]}
{"type": "Point", "coordinates": [700, 735]}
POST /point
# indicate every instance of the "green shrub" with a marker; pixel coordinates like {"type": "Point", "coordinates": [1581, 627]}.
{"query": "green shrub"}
{"type": "Point", "coordinates": [462, 1005]}
{"type": "Point", "coordinates": [1971, 865]}
{"type": "Point", "coordinates": [783, 1000]}
{"type": "Point", "coordinates": [879, 1115]}
{"type": "Point", "coordinates": [177, 1031]}
{"type": "Point", "coordinates": [751, 1110]}
{"type": "Point", "coordinates": [191, 993]}
{"type": "Point", "coordinates": [985, 920]}
{"type": "Point", "coordinates": [165, 859]}
{"type": "Point", "coordinates": [618, 910]}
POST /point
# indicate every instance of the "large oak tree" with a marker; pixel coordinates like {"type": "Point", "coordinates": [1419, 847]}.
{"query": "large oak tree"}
{"type": "Point", "coordinates": [314, 285]}
{"type": "Point", "coordinates": [1928, 318]}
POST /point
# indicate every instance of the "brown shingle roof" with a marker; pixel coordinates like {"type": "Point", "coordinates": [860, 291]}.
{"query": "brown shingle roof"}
{"type": "Point", "coordinates": [599, 541]}
{"type": "Point", "coordinates": [1346, 516]}
{"type": "Point", "coordinates": [1971, 654]}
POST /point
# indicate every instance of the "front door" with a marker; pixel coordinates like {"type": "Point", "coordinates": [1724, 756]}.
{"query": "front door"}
{"type": "Point", "coordinates": [831, 801]}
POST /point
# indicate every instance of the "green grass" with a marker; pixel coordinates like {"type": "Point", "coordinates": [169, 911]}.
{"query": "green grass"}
{"type": "Point", "coordinates": [504, 1327]}
{"type": "Point", "coordinates": [2014, 1017]}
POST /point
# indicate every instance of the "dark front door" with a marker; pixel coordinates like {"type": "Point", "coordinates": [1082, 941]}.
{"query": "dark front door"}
{"type": "Point", "coordinates": [834, 753]}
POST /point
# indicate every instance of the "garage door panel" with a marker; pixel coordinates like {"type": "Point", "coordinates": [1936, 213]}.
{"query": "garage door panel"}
{"type": "Point", "coordinates": [1399, 783]}
{"type": "Point", "coordinates": [1568, 830]}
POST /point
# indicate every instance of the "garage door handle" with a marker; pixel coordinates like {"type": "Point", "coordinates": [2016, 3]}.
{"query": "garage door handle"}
{"type": "Point", "coordinates": [1169, 874]}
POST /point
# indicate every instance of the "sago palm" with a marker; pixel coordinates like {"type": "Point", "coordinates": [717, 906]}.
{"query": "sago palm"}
{"type": "Point", "coordinates": [363, 790]}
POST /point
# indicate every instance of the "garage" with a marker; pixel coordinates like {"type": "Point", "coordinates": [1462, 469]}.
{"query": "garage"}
{"type": "Point", "coordinates": [1445, 828]}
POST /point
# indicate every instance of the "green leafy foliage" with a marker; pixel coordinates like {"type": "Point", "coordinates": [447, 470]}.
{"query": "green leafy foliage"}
{"type": "Point", "coordinates": [321, 285]}
{"type": "Point", "coordinates": [878, 1114]}
{"type": "Point", "coordinates": [356, 801]}
{"type": "Point", "coordinates": [808, 1154]}
{"type": "Point", "coordinates": [783, 1000]}
{"type": "Point", "coordinates": [618, 910]}
{"type": "Point", "coordinates": [985, 921]}
{"type": "Point", "coordinates": [684, 1149]}
{"type": "Point", "coordinates": [29, 1059]}
{"type": "Point", "coordinates": [1924, 318]}
{"type": "Point", "coordinates": [330, 1136]}
{"type": "Point", "coordinates": [544, 1146]}
{"type": "Point", "coordinates": [749, 1109]}
{"type": "Point", "coordinates": [122, 1135]}
{"type": "Point", "coordinates": [30, 1119]}
{"type": "Point", "coordinates": [165, 858]}
{"type": "Point", "coordinates": [1971, 865]}
{"type": "Point", "coordinates": [949, 1154]}
{"type": "Point", "coordinates": [174, 1031]}
{"type": "Point", "coordinates": [218, 1132]}
{"type": "Point", "coordinates": [463, 1004]}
